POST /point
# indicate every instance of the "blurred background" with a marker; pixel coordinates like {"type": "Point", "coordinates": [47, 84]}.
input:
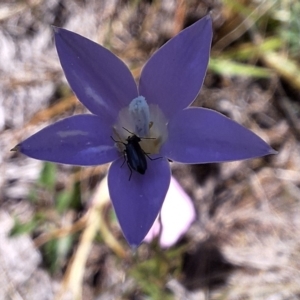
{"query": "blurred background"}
{"type": "Point", "coordinates": [59, 237]}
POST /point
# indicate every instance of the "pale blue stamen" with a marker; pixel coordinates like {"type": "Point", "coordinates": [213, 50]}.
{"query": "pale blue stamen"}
{"type": "Point", "coordinates": [140, 114]}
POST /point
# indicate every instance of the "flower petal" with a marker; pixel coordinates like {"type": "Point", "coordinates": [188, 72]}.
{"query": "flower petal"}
{"type": "Point", "coordinates": [199, 135]}
{"type": "Point", "coordinates": [78, 140]}
{"type": "Point", "coordinates": [138, 201]}
{"type": "Point", "coordinates": [173, 76]}
{"type": "Point", "coordinates": [100, 80]}
{"type": "Point", "coordinates": [177, 215]}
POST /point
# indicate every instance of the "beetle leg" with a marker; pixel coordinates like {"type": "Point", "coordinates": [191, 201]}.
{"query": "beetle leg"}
{"type": "Point", "coordinates": [152, 158]}
{"type": "Point", "coordinates": [130, 170]}
{"type": "Point", "coordinates": [124, 161]}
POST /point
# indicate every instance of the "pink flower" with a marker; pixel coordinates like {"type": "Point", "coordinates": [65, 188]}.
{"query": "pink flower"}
{"type": "Point", "coordinates": [176, 216]}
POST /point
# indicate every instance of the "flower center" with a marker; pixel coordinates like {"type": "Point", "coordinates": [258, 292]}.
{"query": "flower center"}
{"type": "Point", "coordinates": [146, 121]}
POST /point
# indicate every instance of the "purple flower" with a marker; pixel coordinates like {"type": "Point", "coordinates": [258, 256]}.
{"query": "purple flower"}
{"type": "Point", "coordinates": [155, 111]}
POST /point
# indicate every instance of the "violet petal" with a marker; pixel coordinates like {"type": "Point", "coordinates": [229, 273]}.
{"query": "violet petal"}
{"type": "Point", "coordinates": [77, 140]}
{"type": "Point", "coordinates": [138, 201]}
{"type": "Point", "coordinates": [100, 80]}
{"type": "Point", "coordinates": [199, 135]}
{"type": "Point", "coordinates": [173, 76]}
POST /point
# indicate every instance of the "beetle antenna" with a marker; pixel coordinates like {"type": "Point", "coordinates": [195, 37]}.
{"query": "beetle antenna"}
{"type": "Point", "coordinates": [128, 130]}
{"type": "Point", "coordinates": [117, 141]}
{"type": "Point", "coordinates": [143, 138]}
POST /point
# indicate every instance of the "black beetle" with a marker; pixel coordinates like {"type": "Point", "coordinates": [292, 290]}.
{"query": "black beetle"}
{"type": "Point", "coordinates": [135, 156]}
